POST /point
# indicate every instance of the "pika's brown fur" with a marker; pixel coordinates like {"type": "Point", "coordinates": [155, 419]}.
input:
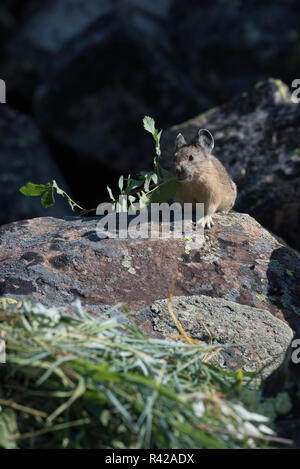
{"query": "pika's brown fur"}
{"type": "Point", "coordinates": [201, 177]}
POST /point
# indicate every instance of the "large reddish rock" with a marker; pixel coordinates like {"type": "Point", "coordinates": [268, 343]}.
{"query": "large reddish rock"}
{"type": "Point", "coordinates": [57, 260]}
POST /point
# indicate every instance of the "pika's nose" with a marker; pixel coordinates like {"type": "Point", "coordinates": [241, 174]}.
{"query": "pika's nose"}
{"type": "Point", "coordinates": [179, 171]}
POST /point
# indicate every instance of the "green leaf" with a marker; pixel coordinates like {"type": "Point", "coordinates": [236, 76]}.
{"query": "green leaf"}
{"type": "Point", "coordinates": [122, 205]}
{"type": "Point", "coordinates": [157, 136]}
{"type": "Point", "coordinates": [34, 190]}
{"type": "Point", "coordinates": [143, 200]}
{"type": "Point", "coordinates": [132, 199]}
{"type": "Point", "coordinates": [134, 184]}
{"type": "Point", "coordinates": [58, 190]}
{"type": "Point", "coordinates": [47, 198]}
{"type": "Point", "coordinates": [121, 183]}
{"type": "Point", "coordinates": [154, 178]}
{"type": "Point", "coordinates": [149, 124]}
{"type": "Point", "coordinates": [147, 182]}
{"type": "Point", "coordinates": [110, 194]}
{"type": "Point", "coordinates": [142, 174]}
{"type": "Point", "coordinates": [164, 191]}
{"type": "Point", "coordinates": [165, 174]}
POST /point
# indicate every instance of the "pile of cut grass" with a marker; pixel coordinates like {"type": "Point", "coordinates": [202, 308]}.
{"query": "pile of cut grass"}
{"type": "Point", "coordinates": [79, 381]}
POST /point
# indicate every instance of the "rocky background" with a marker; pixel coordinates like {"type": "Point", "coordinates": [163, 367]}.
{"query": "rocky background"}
{"type": "Point", "coordinates": [81, 75]}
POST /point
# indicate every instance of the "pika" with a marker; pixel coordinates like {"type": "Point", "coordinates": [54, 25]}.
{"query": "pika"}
{"type": "Point", "coordinates": [201, 177]}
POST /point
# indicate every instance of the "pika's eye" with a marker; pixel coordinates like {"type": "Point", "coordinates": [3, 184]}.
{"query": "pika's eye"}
{"type": "Point", "coordinates": [191, 158]}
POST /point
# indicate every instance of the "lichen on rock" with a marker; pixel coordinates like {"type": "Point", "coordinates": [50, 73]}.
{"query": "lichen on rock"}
{"type": "Point", "coordinates": [259, 340]}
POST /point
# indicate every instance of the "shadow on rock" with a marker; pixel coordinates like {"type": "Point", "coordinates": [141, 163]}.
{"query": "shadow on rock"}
{"type": "Point", "coordinates": [284, 291]}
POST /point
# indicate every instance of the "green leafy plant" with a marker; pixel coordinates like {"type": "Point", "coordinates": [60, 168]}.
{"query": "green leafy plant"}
{"type": "Point", "coordinates": [46, 192]}
{"type": "Point", "coordinates": [157, 185]}
{"type": "Point", "coordinates": [148, 186]}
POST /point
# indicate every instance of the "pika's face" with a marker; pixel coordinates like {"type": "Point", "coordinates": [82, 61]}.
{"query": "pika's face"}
{"type": "Point", "coordinates": [187, 157]}
{"type": "Point", "coordinates": [185, 160]}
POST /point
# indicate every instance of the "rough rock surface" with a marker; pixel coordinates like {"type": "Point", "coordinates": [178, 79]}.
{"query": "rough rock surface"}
{"type": "Point", "coordinates": [257, 139]}
{"type": "Point", "coordinates": [24, 158]}
{"type": "Point", "coordinates": [261, 339]}
{"type": "Point", "coordinates": [57, 260]}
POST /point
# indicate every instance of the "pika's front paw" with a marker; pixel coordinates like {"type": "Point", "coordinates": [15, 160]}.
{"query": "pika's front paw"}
{"type": "Point", "coordinates": [206, 222]}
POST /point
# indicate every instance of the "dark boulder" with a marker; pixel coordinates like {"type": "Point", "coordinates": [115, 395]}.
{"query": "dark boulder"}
{"type": "Point", "coordinates": [24, 158]}
{"type": "Point", "coordinates": [103, 82]}
{"type": "Point", "coordinates": [226, 47]}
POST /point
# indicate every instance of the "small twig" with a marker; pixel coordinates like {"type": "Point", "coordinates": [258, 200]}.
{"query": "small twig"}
{"type": "Point", "coordinates": [55, 428]}
{"type": "Point", "coordinates": [211, 355]}
{"type": "Point", "coordinates": [178, 325]}
{"type": "Point", "coordinates": [21, 408]}
{"type": "Point", "coordinates": [86, 211]}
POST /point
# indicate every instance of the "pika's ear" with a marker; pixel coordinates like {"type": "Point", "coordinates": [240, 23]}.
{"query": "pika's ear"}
{"type": "Point", "coordinates": [206, 140]}
{"type": "Point", "coordinates": [180, 141]}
